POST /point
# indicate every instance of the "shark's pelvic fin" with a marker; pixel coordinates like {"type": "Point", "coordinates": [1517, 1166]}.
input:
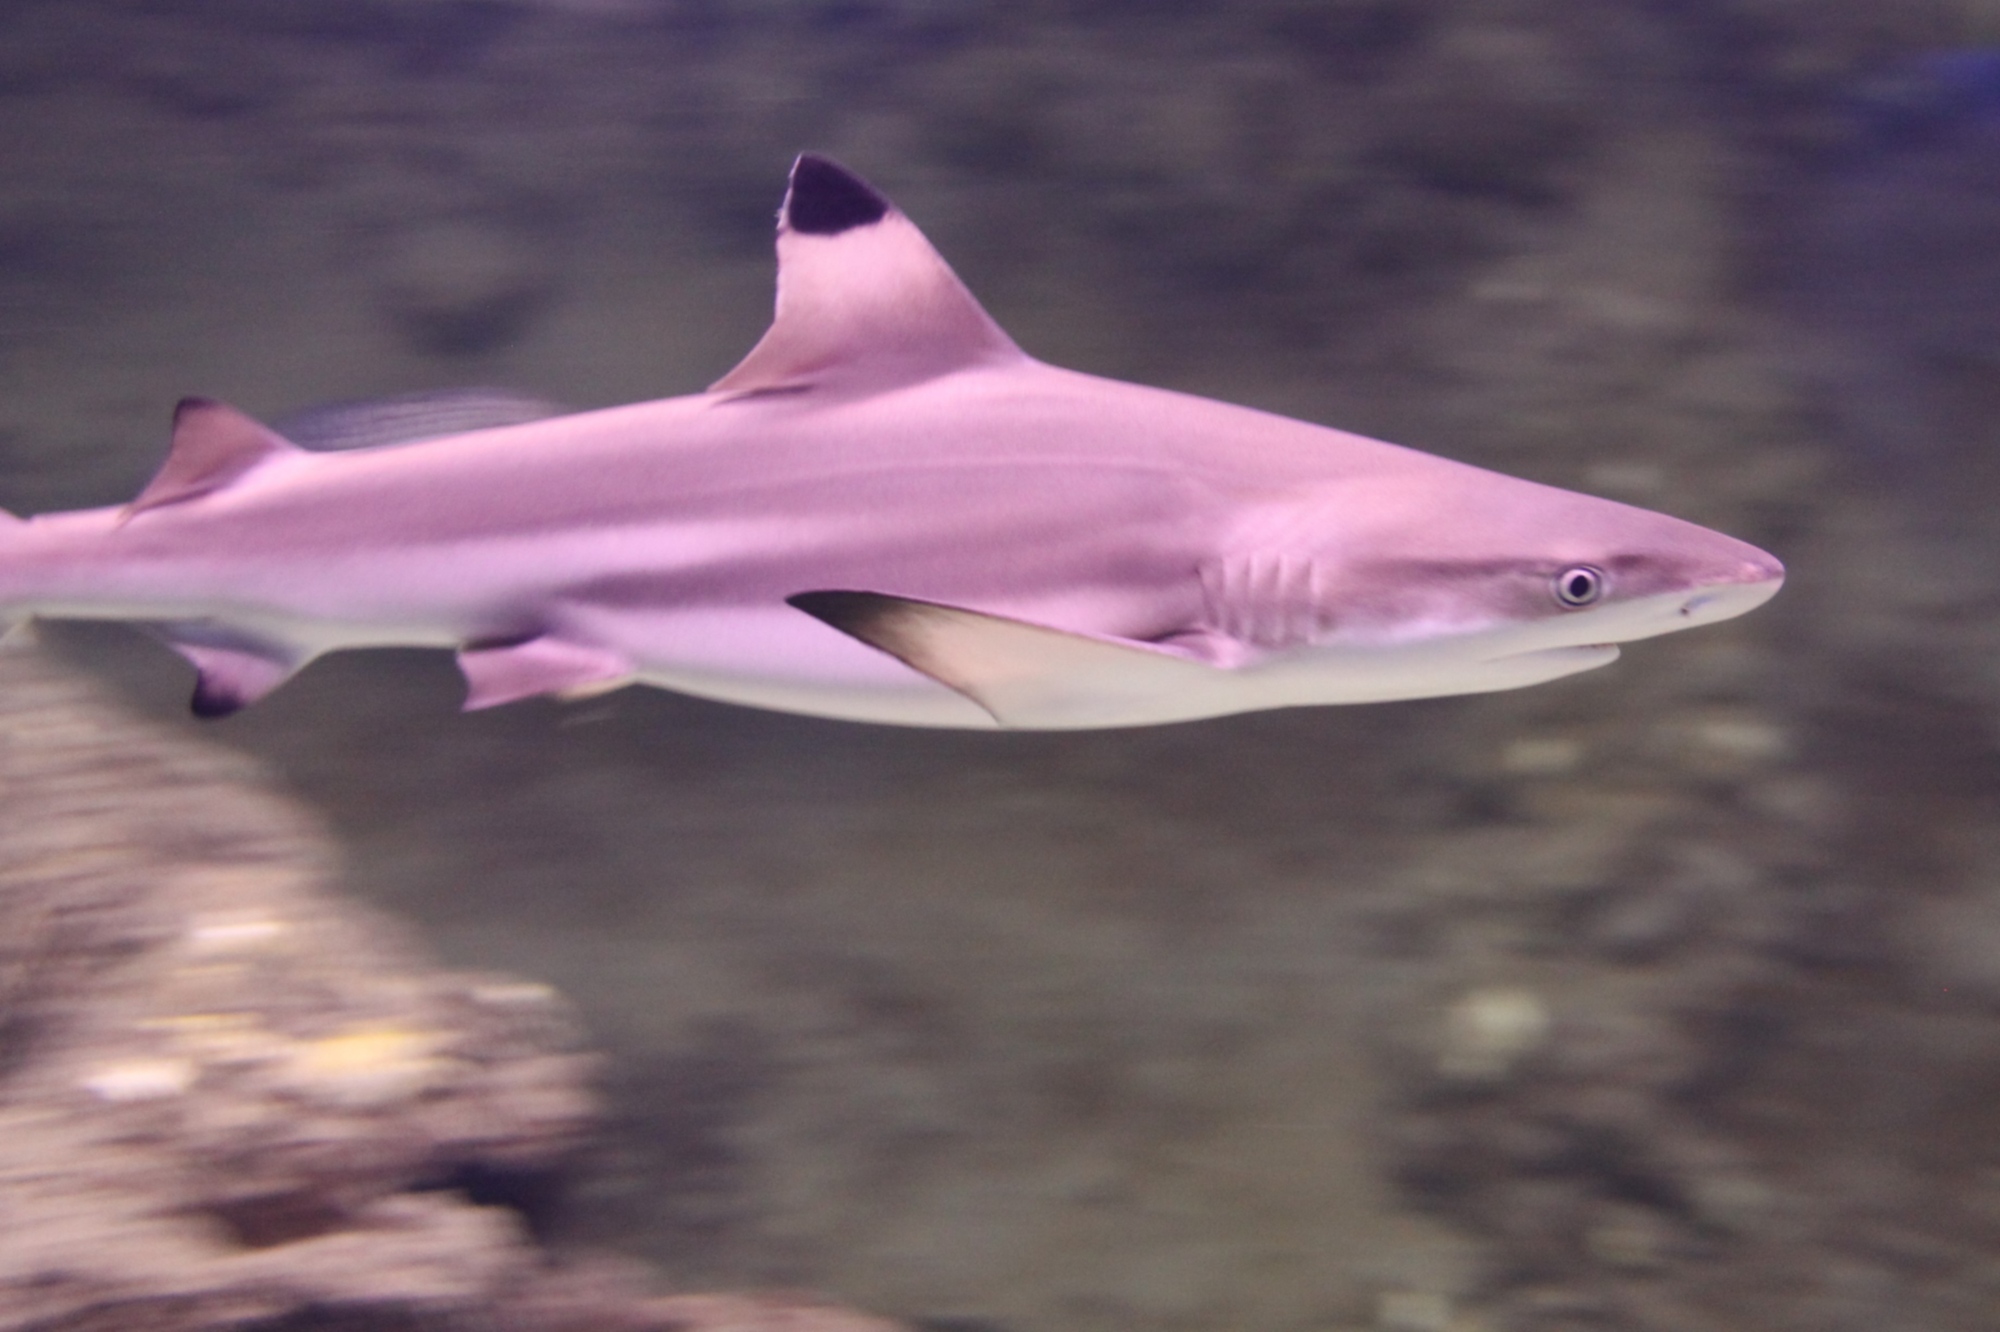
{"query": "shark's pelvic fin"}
{"type": "Point", "coordinates": [1024, 675]}
{"type": "Point", "coordinates": [863, 299]}
{"type": "Point", "coordinates": [213, 444]}
{"type": "Point", "coordinates": [503, 672]}
{"type": "Point", "coordinates": [232, 670]}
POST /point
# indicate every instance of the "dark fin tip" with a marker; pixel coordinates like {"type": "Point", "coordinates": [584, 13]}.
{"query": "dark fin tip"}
{"type": "Point", "coordinates": [848, 612]}
{"type": "Point", "coordinates": [210, 703]}
{"type": "Point", "coordinates": [826, 198]}
{"type": "Point", "coordinates": [500, 642]}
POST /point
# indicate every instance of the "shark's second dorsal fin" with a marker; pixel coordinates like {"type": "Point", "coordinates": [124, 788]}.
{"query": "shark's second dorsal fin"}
{"type": "Point", "coordinates": [862, 297]}
{"type": "Point", "coordinates": [213, 444]}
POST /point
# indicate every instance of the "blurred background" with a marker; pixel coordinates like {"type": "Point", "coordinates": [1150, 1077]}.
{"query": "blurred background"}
{"type": "Point", "coordinates": [1663, 997]}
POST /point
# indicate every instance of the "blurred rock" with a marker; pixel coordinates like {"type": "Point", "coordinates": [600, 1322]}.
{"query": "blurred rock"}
{"type": "Point", "coordinates": [1630, 1238]}
{"type": "Point", "coordinates": [1894, 267]}
{"type": "Point", "coordinates": [228, 1095]}
{"type": "Point", "coordinates": [1351, 37]}
{"type": "Point", "coordinates": [1489, 1031]}
{"type": "Point", "coordinates": [1494, 108]}
{"type": "Point", "coordinates": [1885, 260]}
{"type": "Point", "coordinates": [1952, 946]}
{"type": "Point", "coordinates": [1640, 925]}
{"type": "Point", "coordinates": [43, 46]}
{"type": "Point", "coordinates": [45, 238]}
{"type": "Point", "coordinates": [459, 286]}
{"type": "Point", "coordinates": [205, 72]}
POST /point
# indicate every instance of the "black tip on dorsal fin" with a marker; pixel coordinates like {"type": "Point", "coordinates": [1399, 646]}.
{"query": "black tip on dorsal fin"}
{"type": "Point", "coordinates": [826, 198]}
{"type": "Point", "coordinates": [213, 702]}
{"type": "Point", "coordinates": [863, 299]}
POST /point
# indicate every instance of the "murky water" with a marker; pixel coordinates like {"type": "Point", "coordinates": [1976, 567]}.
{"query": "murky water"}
{"type": "Point", "coordinates": [1660, 997]}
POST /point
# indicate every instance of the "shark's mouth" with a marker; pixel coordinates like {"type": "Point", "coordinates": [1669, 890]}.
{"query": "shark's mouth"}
{"type": "Point", "coordinates": [1575, 657]}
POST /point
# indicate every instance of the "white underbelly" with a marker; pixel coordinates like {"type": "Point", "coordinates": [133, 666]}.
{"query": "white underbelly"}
{"type": "Point", "coordinates": [784, 660]}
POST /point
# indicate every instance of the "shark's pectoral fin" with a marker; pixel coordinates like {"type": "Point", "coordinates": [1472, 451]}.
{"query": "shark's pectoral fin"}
{"type": "Point", "coordinates": [232, 670]}
{"type": "Point", "coordinates": [213, 444]}
{"type": "Point", "coordinates": [499, 673]}
{"type": "Point", "coordinates": [1025, 675]}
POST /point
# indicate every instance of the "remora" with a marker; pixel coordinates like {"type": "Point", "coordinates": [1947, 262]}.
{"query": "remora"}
{"type": "Point", "coordinates": [888, 512]}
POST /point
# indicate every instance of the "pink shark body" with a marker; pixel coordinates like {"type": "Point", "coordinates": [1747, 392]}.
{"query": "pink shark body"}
{"type": "Point", "coordinates": [890, 513]}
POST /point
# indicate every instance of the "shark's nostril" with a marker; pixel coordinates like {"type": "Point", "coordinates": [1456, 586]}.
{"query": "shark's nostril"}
{"type": "Point", "coordinates": [1698, 603]}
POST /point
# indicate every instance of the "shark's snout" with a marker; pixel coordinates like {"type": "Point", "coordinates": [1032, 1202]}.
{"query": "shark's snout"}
{"type": "Point", "coordinates": [1761, 569]}
{"type": "Point", "coordinates": [1739, 577]}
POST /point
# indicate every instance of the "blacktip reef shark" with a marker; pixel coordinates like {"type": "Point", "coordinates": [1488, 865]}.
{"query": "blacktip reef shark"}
{"type": "Point", "coordinates": [888, 513]}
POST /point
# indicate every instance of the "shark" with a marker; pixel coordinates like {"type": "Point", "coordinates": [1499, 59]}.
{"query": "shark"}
{"type": "Point", "coordinates": [889, 513]}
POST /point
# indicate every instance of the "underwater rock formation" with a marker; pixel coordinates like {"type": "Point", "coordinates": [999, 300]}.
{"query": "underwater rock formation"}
{"type": "Point", "coordinates": [229, 1095]}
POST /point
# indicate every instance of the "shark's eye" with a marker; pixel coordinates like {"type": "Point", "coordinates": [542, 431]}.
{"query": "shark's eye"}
{"type": "Point", "coordinates": [1579, 586]}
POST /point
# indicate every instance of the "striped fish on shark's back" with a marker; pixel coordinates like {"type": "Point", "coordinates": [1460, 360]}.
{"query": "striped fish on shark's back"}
{"type": "Point", "coordinates": [887, 512]}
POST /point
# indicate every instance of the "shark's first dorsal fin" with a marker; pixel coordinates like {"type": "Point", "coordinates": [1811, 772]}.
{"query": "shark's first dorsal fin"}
{"type": "Point", "coordinates": [213, 444]}
{"type": "Point", "coordinates": [862, 296]}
